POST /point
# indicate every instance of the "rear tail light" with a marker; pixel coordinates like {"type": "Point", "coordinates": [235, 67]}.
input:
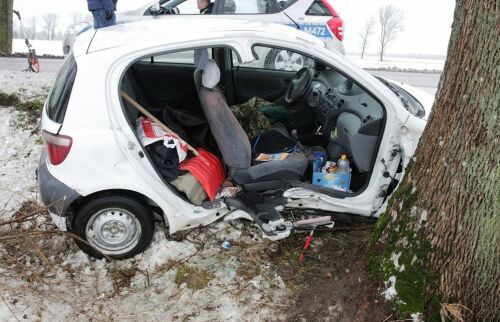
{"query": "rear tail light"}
{"type": "Point", "coordinates": [57, 146]}
{"type": "Point", "coordinates": [335, 24]}
{"type": "Point", "coordinates": [337, 27]}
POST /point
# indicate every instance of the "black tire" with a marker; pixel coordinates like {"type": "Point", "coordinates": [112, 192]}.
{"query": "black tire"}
{"type": "Point", "coordinates": [123, 206]}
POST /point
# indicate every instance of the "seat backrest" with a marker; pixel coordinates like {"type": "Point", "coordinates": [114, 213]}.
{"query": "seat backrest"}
{"type": "Point", "coordinates": [228, 133]}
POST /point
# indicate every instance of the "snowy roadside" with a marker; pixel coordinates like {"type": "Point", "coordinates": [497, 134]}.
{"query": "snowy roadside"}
{"type": "Point", "coordinates": [398, 64]}
{"type": "Point", "coordinates": [184, 277]}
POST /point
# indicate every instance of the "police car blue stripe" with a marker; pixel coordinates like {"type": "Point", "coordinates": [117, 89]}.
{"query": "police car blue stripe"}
{"type": "Point", "coordinates": [318, 30]}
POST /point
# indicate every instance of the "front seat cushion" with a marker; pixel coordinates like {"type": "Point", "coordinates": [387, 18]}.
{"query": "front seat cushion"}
{"type": "Point", "coordinates": [293, 167]}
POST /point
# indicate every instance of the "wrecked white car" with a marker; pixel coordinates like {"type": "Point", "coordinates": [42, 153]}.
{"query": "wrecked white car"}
{"type": "Point", "coordinates": [328, 138]}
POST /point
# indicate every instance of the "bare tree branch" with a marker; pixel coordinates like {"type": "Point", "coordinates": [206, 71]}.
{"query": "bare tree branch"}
{"type": "Point", "coordinates": [365, 33]}
{"type": "Point", "coordinates": [31, 27]}
{"type": "Point", "coordinates": [391, 24]}
{"type": "Point", "coordinates": [76, 17]}
{"type": "Point", "coordinates": [50, 23]}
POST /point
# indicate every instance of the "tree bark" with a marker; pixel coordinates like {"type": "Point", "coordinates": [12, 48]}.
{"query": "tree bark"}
{"type": "Point", "coordinates": [440, 237]}
{"type": "Point", "coordinates": [6, 26]}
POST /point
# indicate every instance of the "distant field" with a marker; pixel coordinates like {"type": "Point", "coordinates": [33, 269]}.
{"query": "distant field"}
{"type": "Point", "coordinates": [42, 47]}
{"type": "Point", "coordinates": [401, 63]}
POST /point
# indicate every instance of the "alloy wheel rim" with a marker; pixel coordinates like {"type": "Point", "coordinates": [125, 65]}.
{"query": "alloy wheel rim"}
{"type": "Point", "coordinates": [289, 61]}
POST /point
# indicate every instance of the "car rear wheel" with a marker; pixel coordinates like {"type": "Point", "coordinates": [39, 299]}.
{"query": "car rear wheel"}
{"type": "Point", "coordinates": [115, 226]}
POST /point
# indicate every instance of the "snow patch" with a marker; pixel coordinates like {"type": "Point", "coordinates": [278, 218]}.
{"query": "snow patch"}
{"type": "Point", "coordinates": [395, 261]}
{"type": "Point", "coordinates": [19, 154]}
{"type": "Point", "coordinates": [25, 85]}
{"type": "Point", "coordinates": [390, 291]}
{"type": "Point", "coordinates": [163, 251]}
{"type": "Point", "coordinates": [417, 317]}
{"type": "Point", "coordinates": [423, 217]}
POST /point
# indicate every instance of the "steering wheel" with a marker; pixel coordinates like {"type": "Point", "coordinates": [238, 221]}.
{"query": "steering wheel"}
{"type": "Point", "coordinates": [299, 85]}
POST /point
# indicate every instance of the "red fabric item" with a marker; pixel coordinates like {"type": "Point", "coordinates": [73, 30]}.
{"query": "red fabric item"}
{"type": "Point", "coordinates": [207, 169]}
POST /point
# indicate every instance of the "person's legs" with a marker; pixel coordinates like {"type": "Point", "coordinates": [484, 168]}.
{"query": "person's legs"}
{"type": "Point", "coordinates": [100, 20]}
{"type": "Point", "coordinates": [112, 21]}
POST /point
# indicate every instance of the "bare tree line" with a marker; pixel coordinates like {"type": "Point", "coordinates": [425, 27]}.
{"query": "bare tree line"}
{"type": "Point", "coordinates": [50, 24]}
{"type": "Point", "coordinates": [44, 27]}
{"type": "Point", "coordinates": [390, 22]}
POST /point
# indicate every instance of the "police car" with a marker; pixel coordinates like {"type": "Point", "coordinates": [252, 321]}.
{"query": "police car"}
{"type": "Point", "coordinates": [316, 17]}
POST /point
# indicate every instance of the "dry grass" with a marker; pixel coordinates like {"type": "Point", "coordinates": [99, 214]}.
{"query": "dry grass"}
{"type": "Point", "coordinates": [252, 258]}
{"type": "Point", "coordinates": [195, 278]}
{"type": "Point", "coordinates": [453, 312]}
{"type": "Point", "coordinates": [121, 278]}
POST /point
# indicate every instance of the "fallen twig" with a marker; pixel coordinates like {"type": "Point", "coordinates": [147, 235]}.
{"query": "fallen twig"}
{"type": "Point", "coordinates": [8, 306]}
{"type": "Point", "coordinates": [22, 218]}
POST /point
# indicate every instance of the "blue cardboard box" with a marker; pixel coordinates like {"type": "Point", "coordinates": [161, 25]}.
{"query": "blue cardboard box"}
{"type": "Point", "coordinates": [337, 181]}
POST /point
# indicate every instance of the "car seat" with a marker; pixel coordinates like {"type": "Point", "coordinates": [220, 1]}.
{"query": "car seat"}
{"type": "Point", "coordinates": [232, 140]}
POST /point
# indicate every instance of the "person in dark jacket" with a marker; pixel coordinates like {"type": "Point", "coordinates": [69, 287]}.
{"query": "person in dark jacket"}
{"type": "Point", "coordinates": [205, 7]}
{"type": "Point", "coordinates": [103, 12]}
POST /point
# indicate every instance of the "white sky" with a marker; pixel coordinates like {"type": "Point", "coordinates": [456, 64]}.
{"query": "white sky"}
{"type": "Point", "coordinates": [427, 22]}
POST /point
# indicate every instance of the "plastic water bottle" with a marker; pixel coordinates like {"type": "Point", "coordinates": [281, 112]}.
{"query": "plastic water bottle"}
{"type": "Point", "coordinates": [343, 165]}
{"type": "Point", "coordinates": [318, 161]}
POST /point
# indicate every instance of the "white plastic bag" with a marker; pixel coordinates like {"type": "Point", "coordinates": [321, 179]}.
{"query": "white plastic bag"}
{"type": "Point", "coordinates": [150, 132]}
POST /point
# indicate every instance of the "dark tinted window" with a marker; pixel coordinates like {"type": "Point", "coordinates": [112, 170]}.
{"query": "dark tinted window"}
{"type": "Point", "coordinates": [57, 102]}
{"type": "Point", "coordinates": [283, 4]}
{"type": "Point", "coordinates": [318, 8]}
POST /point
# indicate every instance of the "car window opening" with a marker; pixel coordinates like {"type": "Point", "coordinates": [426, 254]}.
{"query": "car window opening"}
{"type": "Point", "coordinates": [322, 125]}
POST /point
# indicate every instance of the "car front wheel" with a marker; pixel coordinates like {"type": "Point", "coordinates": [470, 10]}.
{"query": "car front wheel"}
{"type": "Point", "coordinates": [116, 226]}
{"type": "Point", "coordinates": [286, 60]}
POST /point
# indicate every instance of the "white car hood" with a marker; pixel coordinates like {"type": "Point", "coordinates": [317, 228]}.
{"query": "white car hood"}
{"type": "Point", "coordinates": [424, 98]}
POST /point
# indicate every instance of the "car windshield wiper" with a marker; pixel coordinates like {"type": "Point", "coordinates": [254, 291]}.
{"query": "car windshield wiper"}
{"type": "Point", "coordinates": [403, 99]}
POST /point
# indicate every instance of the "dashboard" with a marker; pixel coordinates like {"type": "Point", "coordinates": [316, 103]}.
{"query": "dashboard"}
{"type": "Point", "coordinates": [332, 90]}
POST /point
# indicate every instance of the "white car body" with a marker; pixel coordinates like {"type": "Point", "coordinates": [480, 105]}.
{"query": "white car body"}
{"type": "Point", "coordinates": [294, 15]}
{"type": "Point", "coordinates": [105, 154]}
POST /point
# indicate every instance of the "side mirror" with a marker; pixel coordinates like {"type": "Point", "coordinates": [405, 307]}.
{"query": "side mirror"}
{"type": "Point", "coordinates": [155, 8]}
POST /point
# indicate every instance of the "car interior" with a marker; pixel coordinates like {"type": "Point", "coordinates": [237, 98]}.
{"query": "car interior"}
{"type": "Point", "coordinates": [312, 108]}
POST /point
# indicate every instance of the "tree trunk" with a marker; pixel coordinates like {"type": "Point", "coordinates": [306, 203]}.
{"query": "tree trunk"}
{"type": "Point", "coordinates": [6, 26]}
{"type": "Point", "coordinates": [381, 53]}
{"type": "Point", "coordinates": [440, 237]}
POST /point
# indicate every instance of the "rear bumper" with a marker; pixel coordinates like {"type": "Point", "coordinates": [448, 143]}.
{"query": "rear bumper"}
{"type": "Point", "coordinates": [55, 194]}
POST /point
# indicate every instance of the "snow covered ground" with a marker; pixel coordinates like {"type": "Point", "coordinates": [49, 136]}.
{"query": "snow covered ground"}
{"type": "Point", "coordinates": [177, 278]}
